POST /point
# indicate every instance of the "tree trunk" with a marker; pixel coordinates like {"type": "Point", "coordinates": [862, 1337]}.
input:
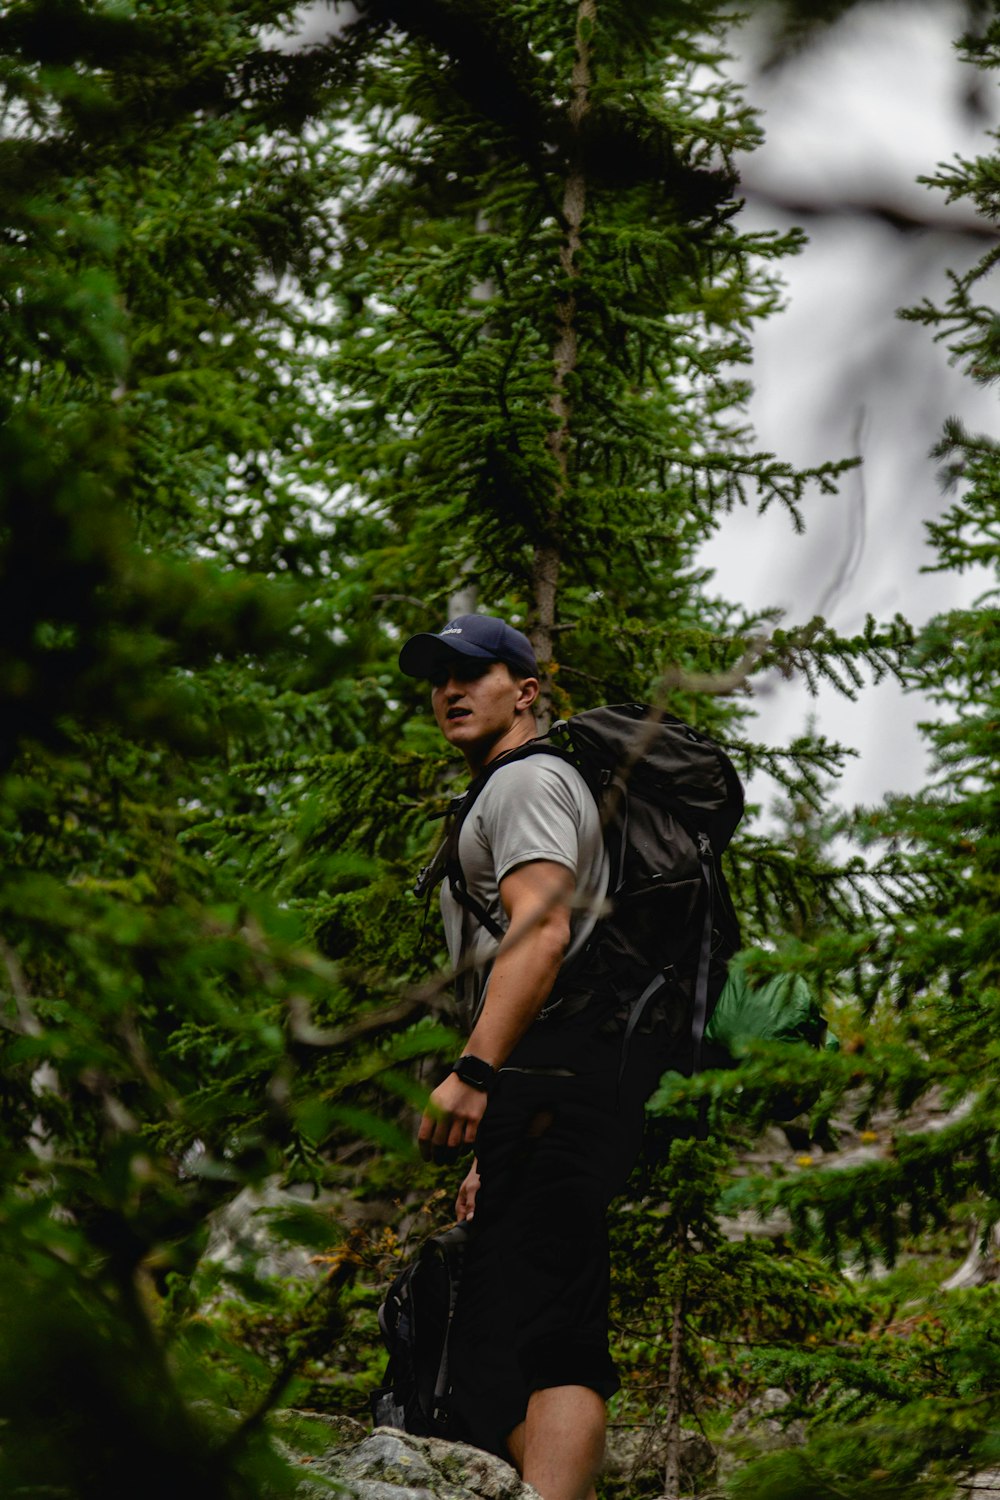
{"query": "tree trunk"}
{"type": "Point", "coordinates": [464, 600]}
{"type": "Point", "coordinates": [672, 1421]}
{"type": "Point", "coordinates": [545, 573]}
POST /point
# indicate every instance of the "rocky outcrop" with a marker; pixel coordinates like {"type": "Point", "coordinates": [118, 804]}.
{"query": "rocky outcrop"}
{"type": "Point", "coordinates": [981, 1266]}
{"type": "Point", "coordinates": [759, 1427]}
{"type": "Point", "coordinates": [391, 1465]}
{"type": "Point", "coordinates": [246, 1232]}
{"type": "Point", "coordinates": [982, 1486]}
{"type": "Point", "coordinates": [638, 1454]}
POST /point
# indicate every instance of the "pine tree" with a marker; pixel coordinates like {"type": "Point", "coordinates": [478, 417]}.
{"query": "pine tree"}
{"type": "Point", "coordinates": [545, 297]}
{"type": "Point", "coordinates": [301, 345]}
{"type": "Point", "coordinates": [542, 295]}
{"type": "Point", "coordinates": [161, 1015]}
{"type": "Point", "coordinates": [913, 1403]}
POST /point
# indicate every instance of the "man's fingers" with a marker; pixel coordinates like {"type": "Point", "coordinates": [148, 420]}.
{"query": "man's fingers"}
{"type": "Point", "coordinates": [465, 1206]}
{"type": "Point", "coordinates": [444, 1133]}
{"type": "Point", "coordinates": [424, 1134]}
{"type": "Point", "coordinates": [439, 1138]}
{"type": "Point", "coordinates": [449, 1139]}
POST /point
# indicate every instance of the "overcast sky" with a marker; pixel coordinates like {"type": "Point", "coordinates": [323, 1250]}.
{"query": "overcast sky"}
{"type": "Point", "coordinates": [882, 99]}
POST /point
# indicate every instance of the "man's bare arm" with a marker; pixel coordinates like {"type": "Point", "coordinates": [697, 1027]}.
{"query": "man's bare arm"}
{"type": "Point", "coordinates": [537, 898]}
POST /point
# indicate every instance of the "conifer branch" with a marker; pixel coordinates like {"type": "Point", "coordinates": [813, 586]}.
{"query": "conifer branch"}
{"type": "Point", "coordinates": [306, 1033]}
{"type": "Point", "coordinates": [716, 684]}
{"type": "Point", "coordinates": [904, 220]}
{"type": "Point", "coordinates": [27, 1023]}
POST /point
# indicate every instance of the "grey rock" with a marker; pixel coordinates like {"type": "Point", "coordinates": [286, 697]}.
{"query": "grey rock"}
{"type": "Point", "coordinates": [981, 1265]}
{"type": "Point", "coordinates": [760, 1420]}
{"type": "Point", "coordinates": [982, 1486]}
{"type": "Point", "coordinates": [748, 1224]}
{"type": "Point", "coordinates": [391, 1465]}
{"type": "Point", "coordinates": [316, 1432]}
{"type": "Point", "coordinates": [634, 1453]}
{"type": "Point", "coordinates": [759, 1428]}
{"type": "Point", "coordinates": [243, 1235]}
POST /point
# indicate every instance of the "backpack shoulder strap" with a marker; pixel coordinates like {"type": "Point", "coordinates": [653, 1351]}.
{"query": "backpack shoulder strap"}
{"type": "Point", "coordinates": [451, 868]}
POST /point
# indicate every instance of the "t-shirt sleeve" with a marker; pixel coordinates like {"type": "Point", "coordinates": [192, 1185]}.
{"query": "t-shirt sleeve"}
{"type": "Point", "coordinates": [529, 811]}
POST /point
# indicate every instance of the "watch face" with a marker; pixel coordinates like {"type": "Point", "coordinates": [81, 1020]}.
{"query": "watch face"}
{"type": "Point", "coordinates": [476, 1073]}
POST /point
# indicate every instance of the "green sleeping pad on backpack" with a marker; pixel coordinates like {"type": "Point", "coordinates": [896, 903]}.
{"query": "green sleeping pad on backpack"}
{"type": "Point", "coordinates": [780, 1009]}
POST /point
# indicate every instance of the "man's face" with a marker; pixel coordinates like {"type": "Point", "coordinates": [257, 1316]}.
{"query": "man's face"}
{"type": "Point", "coordinates": [477, 704]}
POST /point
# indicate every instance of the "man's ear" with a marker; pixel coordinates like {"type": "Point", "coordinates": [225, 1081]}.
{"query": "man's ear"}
{"type": "Point", "coordinates": [529, 689]}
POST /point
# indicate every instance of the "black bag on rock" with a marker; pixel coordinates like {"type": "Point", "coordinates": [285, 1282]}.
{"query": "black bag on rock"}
{"type": "Point", "coordinates": [415, 1320]}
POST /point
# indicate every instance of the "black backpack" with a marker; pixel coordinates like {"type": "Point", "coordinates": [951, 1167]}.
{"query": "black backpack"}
{"type": "Point", "coordinates": [416, 1320]}
{"type": "Point", "coordinates": [669, 800]}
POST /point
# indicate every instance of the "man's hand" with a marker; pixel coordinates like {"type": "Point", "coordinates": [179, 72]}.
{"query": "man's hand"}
{"type": "Point", "coordinates": [465, 1203]}
{"type": "Point", "coordinates": [451, 1120]}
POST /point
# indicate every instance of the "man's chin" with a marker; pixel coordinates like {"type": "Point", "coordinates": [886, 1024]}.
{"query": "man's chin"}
{"type": "Point", "coordinates": [460, 732]}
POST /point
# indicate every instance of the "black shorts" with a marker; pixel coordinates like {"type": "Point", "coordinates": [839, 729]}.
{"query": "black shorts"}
{"type": "Point", "coordinates": [554, 1148]}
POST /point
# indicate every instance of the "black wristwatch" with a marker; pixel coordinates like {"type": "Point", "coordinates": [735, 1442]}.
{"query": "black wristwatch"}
{"type": "Point", "coordinates": [476, 1073]}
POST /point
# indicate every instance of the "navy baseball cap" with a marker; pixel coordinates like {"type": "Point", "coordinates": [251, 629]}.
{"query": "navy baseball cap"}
{"type": "Point", "coordinates": [479, 636]}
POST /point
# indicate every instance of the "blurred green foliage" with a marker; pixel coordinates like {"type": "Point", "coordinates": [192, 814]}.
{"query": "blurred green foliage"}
{"type": "Point", "coordinates": [276, 329]}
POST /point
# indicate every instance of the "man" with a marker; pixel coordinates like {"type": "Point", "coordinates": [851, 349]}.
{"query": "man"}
{"type": "Point", "coordinates": [536, 1089]}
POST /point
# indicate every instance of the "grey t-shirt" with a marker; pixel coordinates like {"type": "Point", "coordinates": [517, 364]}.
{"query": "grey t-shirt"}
{"type": "Point", "coordinates": [535, 808]}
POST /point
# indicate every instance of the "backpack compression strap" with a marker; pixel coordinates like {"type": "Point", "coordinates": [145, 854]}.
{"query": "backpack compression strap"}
{"type": "Point", "coordinates": [455, 1263]}
{"type": "Point", "coordinates": [699, 1019]}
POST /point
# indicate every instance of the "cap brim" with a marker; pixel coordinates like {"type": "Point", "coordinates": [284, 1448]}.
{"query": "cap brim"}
{"type": "Point", "coordinates": [423, 653]}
